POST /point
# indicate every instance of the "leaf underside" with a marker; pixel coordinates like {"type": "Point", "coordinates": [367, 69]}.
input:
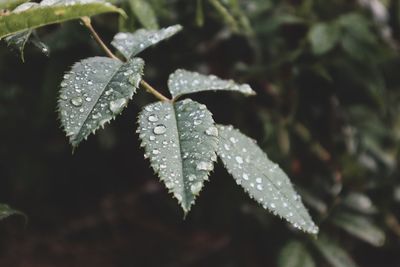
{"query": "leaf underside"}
{"type": "Point", "coordinates": [45, 14]}
{"type": "Point", "coordinates": [186, 82]}
{"type": "Point", "coordinates": [131, 44]}
{"type": "Point", "coordinates": [262, 179]}
{"type": "Point", "coordinates": [94, 92]}
{"type": "Point", "coordinates": [181, 141]}
{"type": "Point", "coordinates": [295, 254]}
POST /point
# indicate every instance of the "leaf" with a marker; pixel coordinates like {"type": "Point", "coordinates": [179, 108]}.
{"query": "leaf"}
{"type": "Point", "coordinates": [323, 37]}
{"type": "Point", "coordinates": [186, 82]}
{"type": "Point", "coordinates": [295, 254]}
{"type": "Point", "coordinates": [360, 202]}
{"type": "Point", "coordinates": [131, 44]}
{"type": "Point", "coordinates": [50, 12]}
{"type": "Point", "coordinates": [94, 92]}
{"type": "Point", "coordinates": [333, 253]}
{"type": "Point", "coordinates": [10, 4]}
{"type": "Point", "coordinates": [144, 13]}
{"type": "Point", "coordinates": [181, 141]}
{"type": "Point", "coordinates": [360, 227]}
{"type": "Point", "coordinates": [6, 211]}
{"type": "Point", "coordinates": [262, 179]}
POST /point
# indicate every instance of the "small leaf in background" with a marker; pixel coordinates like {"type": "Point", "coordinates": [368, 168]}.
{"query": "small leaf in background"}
{"type": "Point", "coordinates": [144, 13]}
{"type": "Point", "coordinates": [94, 92]}
{"type": "Point", "coordinates": [295, 254]}
{"type": "Point", "coordinates": [186, 82]}
{"type": "Point", "coordinates": [333, 253]}
{"type": "Point", "coordinates": [6, 211]}
{"type": "Point", "coordinates": [323, 37]}
{"type": "Point", "coordinates": [262, 179]}
{"type": "Point", "coordinates": [50, 12]}
{"type": "Point", "coordinates": [199, 13]}
{"type": "Point", "coordinates": [359, 202]}
{"type": "Point", "coordinates": [181, 141]}
{"type": "Point", "coordinates": [131, 44]}
{"type": "Point", "coordinates": [361, 227]}
{"type": "Point", "coordinates": [10, 4]}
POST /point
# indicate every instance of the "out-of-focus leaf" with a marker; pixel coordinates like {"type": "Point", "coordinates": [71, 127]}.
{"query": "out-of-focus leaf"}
{"type": "Point", "coordinates": [131, 44]}
{"type": "Point", "coordinates": [183, 82]}
{"type": "Point", "coordinates": [333, 253]}
{"type": "Point", "coordinates": [94, 92]}
{"type": "Point", "coordinates": [323, 37]}
{"type": "Point", "coordinates": [295, 254]}
{"type": "Point", "coordinates": [144, 13]}
{"type": "Point", "coordinates": [262, 179]}
{"type": "Point", "coordinates": [11, 4]}
{"type": "Point", "coordinates": [181, 141]}
{"type": "Point", "coordinates": [51, 12]}
{"type": "Point", "coordinates": [6, 211]}
{"type": "Point", "coordinates": [360, 227]}
{"type": "Point", "coordinates": [360, 203]}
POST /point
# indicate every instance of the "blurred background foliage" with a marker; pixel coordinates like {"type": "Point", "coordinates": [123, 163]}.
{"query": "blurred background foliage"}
{"type": "Point", "coordinates": [328, 83]}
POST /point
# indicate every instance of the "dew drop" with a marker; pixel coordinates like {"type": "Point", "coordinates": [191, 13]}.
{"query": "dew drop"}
{"type": "Point", "coordinates": [159, 129]}
{"type": "Point", "coordinates": [239, 159]}
{"type": "Point", "coordinates": [245, 176]}
{"type": "Point", "coordinates": [196, 188]}
{"type": "Point", "coordinates": [77, 101]}
{"type": "Point", "coordinates": [117, 105]}
{"type": "Point", "coordinates": [212, 131]}
{"type": "Point", "coordinates": [153, 118]}
{"type": "Point", "coordinates": [204, 166]}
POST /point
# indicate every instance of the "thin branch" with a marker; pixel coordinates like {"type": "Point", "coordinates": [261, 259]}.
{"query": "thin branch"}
{"type": "Point", "coordinates": [86, 21]}
{"type": "Point", "coordinates": [153, 91]}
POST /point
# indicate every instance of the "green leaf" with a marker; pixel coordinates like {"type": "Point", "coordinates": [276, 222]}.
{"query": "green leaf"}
{"type": "Point", "coordinates": [360, 227]}
{"type": "Point", "coordinates": [333, 253]}
{"type": "Point", "coordinates": [323, 37]}
{"type": "Point", "coordinates": [186, 82]}
{"type": "Point", "coordinates": [262, 179]}
{"type": "Point", "coordinates": [131, 44]}
{"type": "Point", "coordinates": [360, 203]}
{"type": "Point", "coordinates": [50, 12]}
{"type": "Point", "coordinates": [295, 254]}
{"type": "Point", "coordinates": [144, 13]}
{"type": "Point", "coordinates": [11, 4]}
{"type": "Point", "coordinates": [181, 141]}
{"type": "Point", "coordinates": [94, 92]}
{"type": "Point", "coordinates": [6, 211]}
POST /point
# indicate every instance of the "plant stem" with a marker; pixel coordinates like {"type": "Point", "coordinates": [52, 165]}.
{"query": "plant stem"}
{"type": "Point", "coordinates": [153, 91]}
{"type": "Point", "coordinates": [87, 22]}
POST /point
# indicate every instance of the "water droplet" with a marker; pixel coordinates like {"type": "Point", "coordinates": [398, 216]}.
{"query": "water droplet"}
{"type": "Point", "coordinates": [213, 131]}
{"type": "Point", "coordinates": [159, 129]}
{"type": "Point", "coordinates": [152, 138]}
{"type": "Point", "coordinates": [197, 122]}
{"type": "Point", "coordinates": [239, 159]}
{"type": "Point", "coordinates": [245, 176]}
{"type": "Point", "coordinates": [192, 177]}
{"type": "Point", "coordinates": [156, 152]}
{"type": "Point", "coordinates": [77, 101]}
{"type": "Point", "coordinates": [153, 118]}
{"type": "Point", "coordinates": [204, 166]}
{"type": "Point", "coordinates": [88, 99]}
{"type": "Point", "coordinates": [259, 180]}
{"type": "Point", "coordinates": [196, 188]}
{"type": "Point", "coordinates": [117, 105]}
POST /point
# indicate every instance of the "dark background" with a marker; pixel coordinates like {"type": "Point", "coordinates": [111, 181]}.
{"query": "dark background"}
{"type": "Point", "coordinates": [330, 119]}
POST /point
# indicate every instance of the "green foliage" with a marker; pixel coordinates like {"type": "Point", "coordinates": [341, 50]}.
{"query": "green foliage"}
{"type": "Point", "coordinates": [6, 211]}
{"type": "Point", "coordinates": [145, 13]}
{"type": "Point", "coordinates": [262, 179]}
{"type": "Point", "coordinates": [295, 254]}
{"type": "Point", "coordinates": [181, 140]}
{"type": "Point", "coordinates": [333, 253]}
{"type": "Point", "coordinates": [94, 92]}
{"type": "Point", "coordinates": [183, 82]}
{"type": "Point", "coordinates": [131, 44]}
{"type": "Point", "coordinates": [50, 12]}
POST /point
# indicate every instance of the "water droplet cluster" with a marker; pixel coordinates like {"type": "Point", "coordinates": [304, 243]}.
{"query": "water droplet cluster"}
{"type": "Point", "coordinates": [261, 178]}
{"type": "Point", "coordinates": [94, 92]}
{"type": "Point", "coordinates": [180, 139]}
{"type": "Point", "coordinates": [131, 44]}
{"type": "Point", "coordinates": [185, 82]}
